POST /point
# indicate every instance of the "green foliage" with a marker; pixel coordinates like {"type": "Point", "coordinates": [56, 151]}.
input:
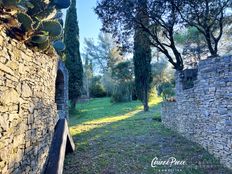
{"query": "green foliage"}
{"type": "Point", "coordinates": [209, 17]}
{"type": "Point", "coordinates": [122, 74]}
{"type": "Point", "coordinates": [166, 90]}
{"type": "Point", "coordinates": [158, 19]}
{"type": "Point", "coordinates": [9, 3]}
{"type": "Point", "coordinates": [161, 72]}
{"type": "Point", "coordinates": [123, 71]}
{"type": "Point", "coordinates": [194, 46]}
{"type": "Point", "coordinates": [122, 93]}
{"type": "Point", "coordinates": [163, 79]}
{"type": "Point", "coordinates": [26, 21]}
{"type": "Point", "coordinates": [52, 27]}
{"type": "Point", "coordinates": [96, 88]}
{"type": "Point", "coordinates": [191, 35]}
{"type": "Point", "coordinates": [39, 39]}
{"type": "Point", "coordinates": [97, 91]}
{"type": "Point", "coordinates": [44, 45]}
{"type": "Point", "coordinates": [61, 3]}
{"type": "Point", "coordinates": [105, 54]}
{"type": "Point", "coordinates": [108, 83]}
{"type": "Point", "coordinates": [59, 46]}
{"type": "Point", "coordinates": [180, 38]}
{"type": "Point", "coordinates": [35, 20]}
{"type": "Point", "coordinates": [72, 54]}
{"type": "Point", "coordinates": [142, 59]}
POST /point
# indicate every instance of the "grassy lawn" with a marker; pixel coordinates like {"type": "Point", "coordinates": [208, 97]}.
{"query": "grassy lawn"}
{"type": "Point", "coordinates": [121, 138]}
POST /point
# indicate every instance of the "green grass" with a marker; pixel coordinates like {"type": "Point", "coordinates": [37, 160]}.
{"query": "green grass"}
{"type": "Point", "coordinates": [121, 138]}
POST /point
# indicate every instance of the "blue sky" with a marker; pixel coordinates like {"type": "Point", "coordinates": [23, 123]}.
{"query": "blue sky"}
{"type": "Point", "coordinates": [89, 23]}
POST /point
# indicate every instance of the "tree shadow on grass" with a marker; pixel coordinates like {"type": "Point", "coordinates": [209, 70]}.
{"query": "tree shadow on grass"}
{"type": "Point", "coordinates": [128, 144]}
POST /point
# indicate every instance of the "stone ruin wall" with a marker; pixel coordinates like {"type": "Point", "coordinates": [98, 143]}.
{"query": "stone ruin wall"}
{"type": "Point", "coordinates": [203, 112]}
{"type": "Point", "coordinates": [28, 112]}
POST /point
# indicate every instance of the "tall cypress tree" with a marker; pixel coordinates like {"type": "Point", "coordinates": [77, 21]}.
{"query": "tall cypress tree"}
{"type": "Point", "coordinates": [142, 55]}
{"type": "Point", "coordinates": [72, 54]}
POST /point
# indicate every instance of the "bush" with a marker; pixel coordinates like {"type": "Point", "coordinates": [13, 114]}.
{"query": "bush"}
{"type": "Point", "coordinates": [122, 74]}
{"type": "Point", "coordinates": [166, 90]}
{"type": "Point", "coordinates": [96, 89]}
{"type": "Point", "coordinates": [122, 93]}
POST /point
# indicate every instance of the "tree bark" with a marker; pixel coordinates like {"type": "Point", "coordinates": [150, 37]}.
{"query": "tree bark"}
{"type": "Point", "coordinates": [145, 101]}
{"type": "Point", "coordinates": [73, 103]}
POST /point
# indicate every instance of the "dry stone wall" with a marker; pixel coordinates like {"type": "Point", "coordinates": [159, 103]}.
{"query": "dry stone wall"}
{"type": "Point", "coordinates": [28, 112]}
{"type": "Point", "coordinates": [203, 113]}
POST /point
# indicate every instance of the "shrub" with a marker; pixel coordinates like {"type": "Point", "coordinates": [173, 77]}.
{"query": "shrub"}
{"type": "Point", "coordinates": [166, 90]}
{"type": "Point", "coordinates": [122, 93]}
{"type": "Point", "coordinates": [122, 75]}
{"type": "Point", "coordinates": [96, 88]}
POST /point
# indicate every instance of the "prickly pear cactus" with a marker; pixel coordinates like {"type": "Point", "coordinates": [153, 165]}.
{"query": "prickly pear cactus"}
{"type": "Point", "coordinates": [36, 19]}
{"type": "Point", "coordinates": [10, 3]}
{"type": "Point", "coordinates": [53, 27]}
{"type": "Point", "coordinates": [26, 21]}
{"type": "Point", "coordinates": [61, 3]}
{"type": "Point", "coordinates": [59, 46]}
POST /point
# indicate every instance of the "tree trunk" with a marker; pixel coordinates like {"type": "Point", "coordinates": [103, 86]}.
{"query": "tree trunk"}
{"type": "Point", "coordinates": [87, 90]}
{"type": "Point", "coordinates": [73, 103]}
{"type": "Point", "coordinates": [145, 101]}
{"type": "Point", "coordinates": [210, 45]}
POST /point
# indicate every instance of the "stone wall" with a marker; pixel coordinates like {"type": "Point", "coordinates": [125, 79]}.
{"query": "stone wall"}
{"type": "Point", "coordinates": [28, 112]}
{"type": "Point", "coordinates": [203, 113]}
{"type": "Point", "coordinates": [61, 98]}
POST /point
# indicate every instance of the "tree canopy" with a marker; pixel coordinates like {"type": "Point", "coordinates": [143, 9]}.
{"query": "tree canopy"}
{"type": "Point", "coordinates": [166, 17]}
{"type": "Point", "coordinates": [208, 16]}
{"type": "Point", "coordinates": [72, 54]}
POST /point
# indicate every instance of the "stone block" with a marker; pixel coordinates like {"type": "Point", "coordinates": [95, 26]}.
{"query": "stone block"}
{"type": "Point", "coordinates": [26, 90]}
{"type": "Point", "coordinates": [9, 96]}
{"type": "Point", "coordinates": [3, 122]}
{"type": "Point", "coordinates": [18, 140]}
{"type": "Point", "coordinates": [13, 117]}
{"type": "Point", "coordinates": [6, 69]}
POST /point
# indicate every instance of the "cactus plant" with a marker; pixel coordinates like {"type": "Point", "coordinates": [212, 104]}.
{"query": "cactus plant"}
{"type": "Point", "coordinates": [39, 39]}
{"type": "Point", "coordinates": [61, 3]}
{"type": "Point", "coordinates": [59, 46]}
{"type": "Point", "coordinates": [26, 3]}
{"type": "Point", "coordinates": [46, 14]}
{"type": "Point", "coordinates": [26, 21]}
{"type": "Point", "coordinates": [33, 21]}
{"type": "Point", "coordinates": [9, 4]}
{"type": "Point", "coordinates": [39, 7]}
{"type": "Point", "coordinates": [44, 45]}
{"type": "Point", "coordinates": [53, 27]}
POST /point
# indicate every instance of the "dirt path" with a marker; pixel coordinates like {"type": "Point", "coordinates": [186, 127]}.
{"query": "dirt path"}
{"type": "Point", "coordinates": [127, 141]}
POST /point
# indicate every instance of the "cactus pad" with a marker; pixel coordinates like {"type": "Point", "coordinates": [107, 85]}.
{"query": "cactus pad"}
{"type": "Point", "coordinates": [39, 39]}
{"type": "Point", "coordinates": [26, 21]}
{"type": "Point", "coordinates": [52, 27]}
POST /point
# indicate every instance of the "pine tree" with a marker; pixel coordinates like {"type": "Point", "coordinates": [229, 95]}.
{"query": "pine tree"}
{"type": "Point", "coordinates": [72, 54]}
{"type": "Point", "coordinates": [142, 56]}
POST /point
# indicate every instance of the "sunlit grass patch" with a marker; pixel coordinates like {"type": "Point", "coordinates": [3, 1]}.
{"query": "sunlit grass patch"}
{"type": "Point", "coordinates": [97, 113]}
{"type": "Point", "coordinates": [97, 123]}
